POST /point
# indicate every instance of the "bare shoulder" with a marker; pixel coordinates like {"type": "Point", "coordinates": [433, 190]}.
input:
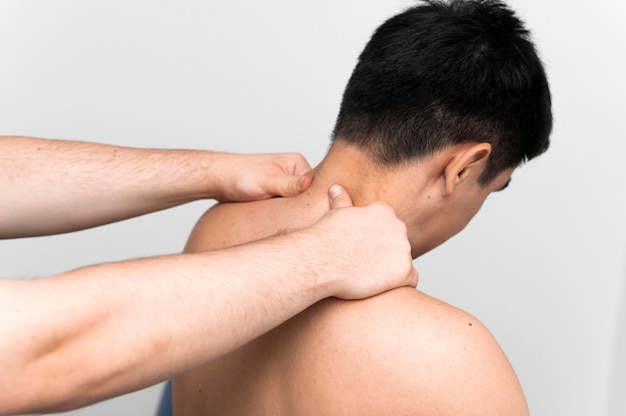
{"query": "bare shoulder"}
{"type": "Point", "coordinates": [229, 224]}
{"type": "Point", "coordinates": [404, 352]}
{"type": "Point", "coordinates": [401, 352]}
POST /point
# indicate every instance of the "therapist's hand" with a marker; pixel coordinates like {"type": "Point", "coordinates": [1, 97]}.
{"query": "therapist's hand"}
{"type": "Point", "coordinates": [250, 177]}
{"type": "Point", "coordinates": [363, 250]}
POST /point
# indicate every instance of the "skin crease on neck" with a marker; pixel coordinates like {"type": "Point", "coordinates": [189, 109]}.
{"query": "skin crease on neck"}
{"type": "Point", "coordinates": [416, 190]}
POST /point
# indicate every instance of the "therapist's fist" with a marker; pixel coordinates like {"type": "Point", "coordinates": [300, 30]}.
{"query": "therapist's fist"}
{"type": "Point", "coordinates": [367, 248]}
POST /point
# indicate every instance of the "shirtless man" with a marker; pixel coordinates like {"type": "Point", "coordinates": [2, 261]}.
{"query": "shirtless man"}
{"type": "Point", "coordinates": [445, 102]}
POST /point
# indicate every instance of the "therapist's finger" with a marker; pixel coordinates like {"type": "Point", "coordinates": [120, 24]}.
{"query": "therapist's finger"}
{"type": "Point", "coordinates": [338, 197]}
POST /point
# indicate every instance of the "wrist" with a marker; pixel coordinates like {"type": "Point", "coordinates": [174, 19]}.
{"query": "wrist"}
{"type": "Point", "coordinates": [314, 263]}
{"type": "Point", "coordinates": [295, 264]}
{"type": "Point", "coordinates": [216, 174]}
{"type": "Point", "coordinates": [204, 172]}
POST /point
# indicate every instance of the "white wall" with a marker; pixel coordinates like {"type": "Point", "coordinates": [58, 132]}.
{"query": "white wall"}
{"type": "Point", "coordinates": [542, 265]}
{"type": "Point", "coordinates": [617, 386]}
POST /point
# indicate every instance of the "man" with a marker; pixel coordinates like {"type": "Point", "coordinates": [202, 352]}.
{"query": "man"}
{"type": "Point", "coordinates": [101, 331]}
{"type": "Point", "coordinates": [445, 102]}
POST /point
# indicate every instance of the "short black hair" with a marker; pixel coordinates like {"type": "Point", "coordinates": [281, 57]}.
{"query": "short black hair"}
{"type": "Point", "coordinates": [443, 73]}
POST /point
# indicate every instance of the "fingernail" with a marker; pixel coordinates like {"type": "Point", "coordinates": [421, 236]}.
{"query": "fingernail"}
{"type": "Point", "coordinates": [305, 181]}
{"type": "Point", "coordinates": [334, 192]}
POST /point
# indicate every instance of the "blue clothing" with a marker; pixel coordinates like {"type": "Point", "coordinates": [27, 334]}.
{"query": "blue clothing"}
{"type": "Point", "coordinates": [165, 405]}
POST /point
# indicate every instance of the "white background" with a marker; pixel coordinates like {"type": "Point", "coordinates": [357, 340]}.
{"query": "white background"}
{"type": "Point", "coordinates": [544, 263]}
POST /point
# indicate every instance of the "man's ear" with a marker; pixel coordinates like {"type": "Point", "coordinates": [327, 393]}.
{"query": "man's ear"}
{"type": "Point", "coordinates": [465, 161]}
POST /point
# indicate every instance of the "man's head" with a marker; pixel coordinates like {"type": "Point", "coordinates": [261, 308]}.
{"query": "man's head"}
{"type": "Point", "coordinates": [440, 74]}
{"type": "Point", "coordinates": [446, 100]}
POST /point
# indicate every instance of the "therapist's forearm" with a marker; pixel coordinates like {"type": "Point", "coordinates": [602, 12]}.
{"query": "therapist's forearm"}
{"type": "Point", "coordinates": [55, 186]}
{"type": "Point", "coordinates": [98, 332]}
{"type": "Point", "coordinates": [106, 330]}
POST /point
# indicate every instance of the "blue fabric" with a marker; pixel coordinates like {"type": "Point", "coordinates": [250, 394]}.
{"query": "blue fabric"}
{"type": "Point", "coordinates": [165, 405]}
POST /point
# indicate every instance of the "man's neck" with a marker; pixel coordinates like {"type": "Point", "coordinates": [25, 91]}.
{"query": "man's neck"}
{"type": "Point", "coordinates": [365, 181]}
{"type": "Point", "coordinates": [410, 188]}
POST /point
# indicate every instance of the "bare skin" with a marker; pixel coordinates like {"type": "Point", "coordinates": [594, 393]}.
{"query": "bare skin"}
{"type": "Point", "coordinates": [398, 353]}
{"type": "Point", "coordinates": [89, 334]}
{"type": "Point", "coordinates": [59, 186]}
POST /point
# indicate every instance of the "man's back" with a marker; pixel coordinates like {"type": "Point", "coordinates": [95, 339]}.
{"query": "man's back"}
{"type": "Point", "coordinates": [398, 353]}
{"type": "Point", "coordinates": [445, 101]}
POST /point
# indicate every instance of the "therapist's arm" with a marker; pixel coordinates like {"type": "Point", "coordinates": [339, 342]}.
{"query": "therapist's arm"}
{"type": "Point", "coordinates": [56, 186]}
{"type": "Point", "coordinates": [101, 331]}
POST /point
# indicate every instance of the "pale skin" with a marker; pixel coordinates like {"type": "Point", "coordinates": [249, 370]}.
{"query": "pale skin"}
{"type": "Point", "coordinates": [58, 186]}
{"type": "Point", "coordinates": [398, 353]}
{"type": "Point", "coordinates": [93, 333]}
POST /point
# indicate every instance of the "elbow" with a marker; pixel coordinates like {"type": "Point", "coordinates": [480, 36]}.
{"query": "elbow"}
{"type": "Point", "coordinates": [34, 381]}
{"type": "Point", "coordinates": [19, 395]}
{"type": "Point", "coordinates": [26, 389]}
{"type": "Point", "coordinates": [41, 369]}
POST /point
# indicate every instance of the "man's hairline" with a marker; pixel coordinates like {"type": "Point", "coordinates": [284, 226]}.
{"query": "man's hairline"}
{"type": "Point", "coordinates": [386, 166]}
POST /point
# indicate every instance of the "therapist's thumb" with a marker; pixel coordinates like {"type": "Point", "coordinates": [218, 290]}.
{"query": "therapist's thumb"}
{"type": "Point", "coordinates": [338, 197]}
